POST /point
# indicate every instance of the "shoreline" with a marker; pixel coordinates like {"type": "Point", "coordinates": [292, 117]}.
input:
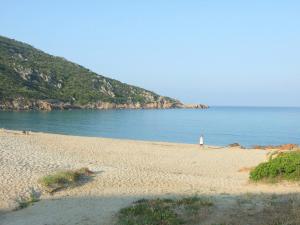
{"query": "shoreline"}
{"type": "Point", "coordinates": [20, 104]}
{"type": "Point", "coordinates": [20, 132]}
{"type": "Point", "coordinates": [125, 171]}
{"type": "Point", "coordinates": [209, 146]}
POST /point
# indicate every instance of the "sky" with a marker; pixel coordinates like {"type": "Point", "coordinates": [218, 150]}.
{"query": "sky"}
{"type": "Point", "coordinates": [235, 53]}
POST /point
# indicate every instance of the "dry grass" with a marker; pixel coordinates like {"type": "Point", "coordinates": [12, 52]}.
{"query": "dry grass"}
{"type": "Point", "coordinates": [165, 211]}
{"type": "Point", "coordinates": [24, 202]}
{"type": "Point", "coordinates": [248, 209]}
{"type": "Point", "coordinates": [64, 179]}
{"type": "Point", "coordinates": [267, 210]}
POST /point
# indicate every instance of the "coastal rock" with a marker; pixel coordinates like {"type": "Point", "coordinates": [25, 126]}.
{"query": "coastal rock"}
{"type": "Point", "coordinates": [195, 106]}
{"type": "Point", "coordinates": [283, 147]}
{"type": "Point", "coordinates": [236, 145]}
{"type": "Point", "coordinates": [43, 105]}
{"type": "Point", "coordinates": [20, 104]}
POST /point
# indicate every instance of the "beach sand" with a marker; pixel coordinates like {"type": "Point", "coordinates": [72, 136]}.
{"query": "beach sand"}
{"type": "Point", "coordinates": [125, 171]}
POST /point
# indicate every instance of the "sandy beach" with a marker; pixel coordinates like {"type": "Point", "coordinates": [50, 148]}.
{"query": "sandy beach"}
{"type": "Point", "coordinates": [125, 171]}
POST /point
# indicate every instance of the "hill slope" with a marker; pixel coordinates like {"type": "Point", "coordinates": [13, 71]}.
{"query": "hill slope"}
{"type": "Point", "coordinates": [32, 79]}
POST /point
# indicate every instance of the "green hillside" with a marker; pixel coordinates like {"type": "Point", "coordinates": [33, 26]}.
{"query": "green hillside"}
{"type": "Point", "coordinates": [31, 74]}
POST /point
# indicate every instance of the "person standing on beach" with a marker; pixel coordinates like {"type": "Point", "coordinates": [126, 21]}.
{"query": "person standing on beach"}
{"type": "Point", "coordinates": [201, 141]}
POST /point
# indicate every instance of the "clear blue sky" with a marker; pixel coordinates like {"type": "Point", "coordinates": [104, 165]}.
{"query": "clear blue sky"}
{"type": "Point", "coordinates": [214, 52]}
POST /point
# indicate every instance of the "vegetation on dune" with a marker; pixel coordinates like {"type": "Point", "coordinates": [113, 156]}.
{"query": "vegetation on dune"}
{"type": "Point", "coordinates": [30, 73]}
{"type": "Point", "coordinates": [286, 166]}
{"type": "Point", "coordinates": [64, 179]}
{"type": "Point", "coordinates": [259, 209]}
{"type": "Point", "coordinates": [227, 210]}
{"type": "Point", "coordinates": [164, 211]}
{"type": "Point", "coordinates": [24, 202]}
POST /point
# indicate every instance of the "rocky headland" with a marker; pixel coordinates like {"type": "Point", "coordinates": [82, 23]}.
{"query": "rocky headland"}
{"type": "Point", "coordinates": [21, 104]}
{"type": "Point", "coordinates": [31, 79]}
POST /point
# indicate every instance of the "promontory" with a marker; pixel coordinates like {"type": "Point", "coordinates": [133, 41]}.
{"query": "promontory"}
{"type": "Point", "coordinates": [31, 79]}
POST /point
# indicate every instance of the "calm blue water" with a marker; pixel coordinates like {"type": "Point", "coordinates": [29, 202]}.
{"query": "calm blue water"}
{"type": "Point", "coordinates": [220, 125]}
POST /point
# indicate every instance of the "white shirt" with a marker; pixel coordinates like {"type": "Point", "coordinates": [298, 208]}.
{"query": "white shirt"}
{"type": "Point", "coordinates": [201, 140]}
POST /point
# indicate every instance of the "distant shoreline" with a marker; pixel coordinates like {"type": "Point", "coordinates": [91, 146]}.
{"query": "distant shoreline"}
{"type": "Point", "coordinates": [23, 104]}
{"type": "Point", "coordinates": [211, 146]}
{"type": "Point", "coordinates": [20, 132]}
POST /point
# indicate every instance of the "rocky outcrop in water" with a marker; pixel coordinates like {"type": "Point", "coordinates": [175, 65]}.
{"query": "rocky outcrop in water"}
{"type": "Point", "coordinates": [278, 147]}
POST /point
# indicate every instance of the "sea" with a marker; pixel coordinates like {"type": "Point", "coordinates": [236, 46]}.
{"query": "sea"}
{"type": "Point", "coordinates": [219, 125]}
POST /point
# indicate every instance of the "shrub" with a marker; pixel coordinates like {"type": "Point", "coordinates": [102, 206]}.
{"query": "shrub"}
{"type": "Point", "coordinates": [24, 202]}
{"type": "Point", "coordinates": [286, 166]}
{"type": "Point", "coordinates": [163, 211]}
{"type": "Point", "coordinates": [63, 179]}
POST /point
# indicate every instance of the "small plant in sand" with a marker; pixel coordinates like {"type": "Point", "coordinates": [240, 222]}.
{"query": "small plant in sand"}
{"type": "Point", "coordinates": [64, 179]}
{"type": "Point", "coordinates": [165, 211]}
{"type": "Point", "coordinates": [24, 202]}
{"type": "Point", "coordinates": [285, 166]}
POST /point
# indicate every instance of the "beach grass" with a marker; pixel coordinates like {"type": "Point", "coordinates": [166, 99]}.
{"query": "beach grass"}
{"type": "Point", "coordinates": [24, 202]}
{"type": "Point", "coordinates": [164, 211]}
{"type": "Point", "coordinates": [272, 210]}
{"type": "Point", "coordinates": [285, 166]}
{"type": "Point", "coordinates": [64, 179]}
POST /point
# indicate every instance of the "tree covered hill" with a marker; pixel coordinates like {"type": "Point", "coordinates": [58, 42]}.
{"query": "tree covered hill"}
{"type": "Point", "coordinates": [33, 79]}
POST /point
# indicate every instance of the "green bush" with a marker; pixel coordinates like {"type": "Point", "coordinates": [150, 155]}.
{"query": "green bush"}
{"type": "Point", "coordinates": [63, 179]}
{"type": "Point", "coordinates": [24, 202]}
{"type": "Point", "coordinates": [286, 166]}
{"type": "Point", "coordinates": [164, 211]}
{"type": "Point", "coordinates": [149, 212]}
